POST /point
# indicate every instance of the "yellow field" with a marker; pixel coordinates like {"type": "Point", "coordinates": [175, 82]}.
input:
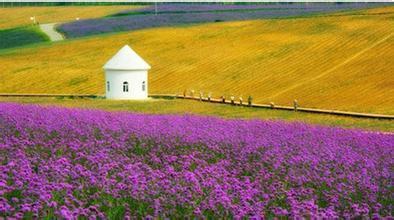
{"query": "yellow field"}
{"type": "Point", "coordinates": [343, 62]}
{"type": "Point", "coordinates": [180, 106]}
{"type": "Point", "coordinates": [18, 16]}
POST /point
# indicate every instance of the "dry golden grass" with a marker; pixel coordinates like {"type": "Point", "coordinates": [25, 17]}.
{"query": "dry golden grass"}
{"type": "Point", "coordinates": [381, 10]}
{"type": "Point", "coordinates": [18, 16]}
{"type": "Point", "coordinates": [343, 62]}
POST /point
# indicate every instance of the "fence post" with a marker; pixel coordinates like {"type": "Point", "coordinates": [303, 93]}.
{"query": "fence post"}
{"type": "Point", "coordinates": [201, 94]}
{"type": "Point", "coordinates": [209, 96]}
{"type": "Point", "coordinates": [272, 105]}
{"type": "Point", "coordinates": [295, 105]}
{"type": "Point", "coordinates": [250, 99]}
{"type": "Point", "coordinates": [240, 100]}
{"type": "Point", "coordinates": [223, 99]}
{"type": "Point", "coordinates": [232, 100]}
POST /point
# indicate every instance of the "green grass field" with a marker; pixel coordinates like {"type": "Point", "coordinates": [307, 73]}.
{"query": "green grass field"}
{"type": "Point", "coordinates": [180, 106]}
{"type": "Point", "coordinates": [16, 28]}
{"type": "Point", "coordinates": [20, 16]}
{"type": "Point", "coordinates": [17, 37]}
{"type": "Point", "coordinates": [333, 62]}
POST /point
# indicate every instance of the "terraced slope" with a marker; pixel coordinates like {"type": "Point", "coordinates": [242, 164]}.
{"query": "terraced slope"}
{"type": "Point", "coordinates": [19, 16]}
{"type": "Point", "coordinates": [335, 62]}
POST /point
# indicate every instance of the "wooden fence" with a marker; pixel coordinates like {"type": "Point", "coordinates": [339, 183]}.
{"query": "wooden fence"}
{"type": "Point", "coordinates": [222, 100]}
{"type": "Point", "coordinates": [295, 107]}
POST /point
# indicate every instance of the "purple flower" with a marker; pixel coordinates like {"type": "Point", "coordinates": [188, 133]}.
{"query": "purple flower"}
{"type": "Point", "coordinates": [70, 163]}
{"type": "Point", "coordinates": [180, 14]}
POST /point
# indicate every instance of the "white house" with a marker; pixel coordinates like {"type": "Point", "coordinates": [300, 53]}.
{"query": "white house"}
{"type": "Point", "coordinates": [126, 76]}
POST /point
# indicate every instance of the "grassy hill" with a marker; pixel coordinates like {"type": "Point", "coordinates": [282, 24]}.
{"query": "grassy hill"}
{"type": "Point", "coordinates": [20, 36]}
{"type": "Point", "coordinates": [20, 16]}
{"type": "Point", "coordinates": [336, 62]}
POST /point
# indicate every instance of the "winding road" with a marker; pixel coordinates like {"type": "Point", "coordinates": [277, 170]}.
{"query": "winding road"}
{"type": "Point", "coordinates": [49, 29]}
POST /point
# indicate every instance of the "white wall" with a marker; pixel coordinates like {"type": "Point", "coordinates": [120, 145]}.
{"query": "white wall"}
{"type": "Point", "coordinates": [133, 77]}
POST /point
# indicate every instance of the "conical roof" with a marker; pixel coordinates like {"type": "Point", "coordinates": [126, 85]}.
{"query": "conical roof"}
{"type": "Point", "coordinates": [126, 59]}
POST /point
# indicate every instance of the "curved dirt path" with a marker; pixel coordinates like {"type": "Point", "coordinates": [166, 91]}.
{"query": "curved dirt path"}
{"type": "Point", "coordinates": [49, 29]}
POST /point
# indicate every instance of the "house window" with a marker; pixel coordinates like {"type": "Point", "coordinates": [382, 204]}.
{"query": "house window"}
{"type": "Point", "coordinates": [125, 87]}
{"type": "Point", "coordinates": [108, 86]}
{"type": "Point", "coordinates": [143, 86]}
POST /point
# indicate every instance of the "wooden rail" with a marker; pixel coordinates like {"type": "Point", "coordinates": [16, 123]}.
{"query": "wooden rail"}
{"type": "Point", "coordinates": [213, 100]}
{"type": "Point", "coordinates": [279, 107]}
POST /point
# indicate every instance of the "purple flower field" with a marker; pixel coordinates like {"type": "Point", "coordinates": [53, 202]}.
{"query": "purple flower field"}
{"type": "Point", "coordinates": [204, 7]}
{"type": "Point", "coordinates": [70, 163]}
{"type": "Point", "coordinates": [183, 14]}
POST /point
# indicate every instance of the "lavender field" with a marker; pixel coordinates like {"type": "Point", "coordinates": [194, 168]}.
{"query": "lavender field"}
{"type": "Point", "coordinates": [219, 7]}
{"type": "Point", "coordinates": [70, 163]}
{"type": "Point", "coordinates": [183, 14]}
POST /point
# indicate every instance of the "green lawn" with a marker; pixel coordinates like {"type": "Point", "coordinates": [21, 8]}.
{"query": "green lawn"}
{"type": "Point", "coordinates": [21, 36]}
{"type": "Point", "coordinates": [180, 106]}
